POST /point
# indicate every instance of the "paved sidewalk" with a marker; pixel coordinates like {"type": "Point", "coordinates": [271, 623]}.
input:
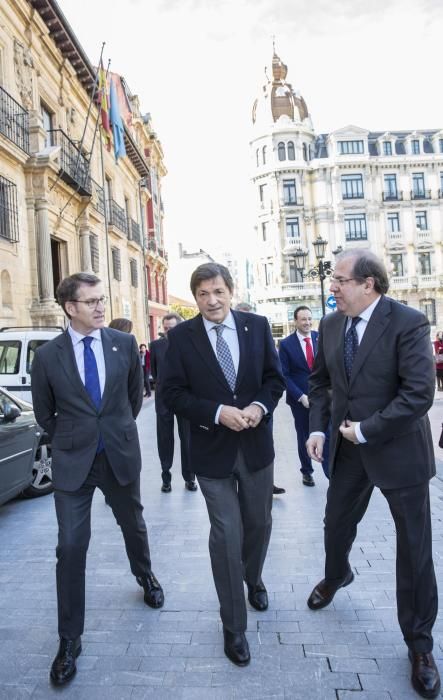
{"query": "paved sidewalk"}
{"type": "Point", "coordinates": [352, 650]}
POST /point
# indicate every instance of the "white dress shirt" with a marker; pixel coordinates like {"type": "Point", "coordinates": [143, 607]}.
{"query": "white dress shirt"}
{"type": "Point", "coordinates": [302, 342]}
{"type": "Point", "coordinates": [97, 349]}
{"type": "Point", "coordinates": [231, 337]}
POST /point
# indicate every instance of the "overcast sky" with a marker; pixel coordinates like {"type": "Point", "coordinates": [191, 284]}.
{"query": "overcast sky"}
{"type": "Point", "coordinates": [197, 66]}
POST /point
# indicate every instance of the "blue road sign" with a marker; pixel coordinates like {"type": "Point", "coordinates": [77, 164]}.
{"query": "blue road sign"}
{"type": "Point", "coordinates": [330, 302]}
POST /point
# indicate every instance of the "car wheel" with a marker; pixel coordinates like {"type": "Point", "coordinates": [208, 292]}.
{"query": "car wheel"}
{"type": "Point", "coordinates": [41, 483]}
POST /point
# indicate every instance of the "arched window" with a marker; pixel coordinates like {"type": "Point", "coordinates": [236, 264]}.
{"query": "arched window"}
{"type": "Point", "coordinates": [291, 150]}
{"type": "Point", "coordinates": [264, 155]}
{"type": "Point", "coordinates": [257, 155]}
{"type": "Point", "coordinates": [281, 151]}
{"type": "Point", "coordinates": [6, 289]}
{"type": "Point", "coordinates": [305, 152]}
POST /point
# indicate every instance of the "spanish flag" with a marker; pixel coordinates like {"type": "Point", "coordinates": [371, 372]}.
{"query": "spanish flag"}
{"type": "Point", "coordinates": [104, 107]}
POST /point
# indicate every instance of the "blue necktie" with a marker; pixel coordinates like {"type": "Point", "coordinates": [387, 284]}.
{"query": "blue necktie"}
{"type": "Point", "coordinates": [224, 357]}
{"type": "Point", "coordinates": [92, 382]}
{"type": "Point", "coordinates": [351, 345]}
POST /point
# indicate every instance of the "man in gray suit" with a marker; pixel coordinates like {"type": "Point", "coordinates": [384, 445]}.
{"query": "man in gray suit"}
{"type": "Point", "coordinates": [374, 357]}
{"type": "Point", "coordinates": [87, 390]}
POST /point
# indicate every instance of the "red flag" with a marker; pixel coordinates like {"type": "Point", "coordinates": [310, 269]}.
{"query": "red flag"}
{"type": "Point", "coordinates": [104, 107]}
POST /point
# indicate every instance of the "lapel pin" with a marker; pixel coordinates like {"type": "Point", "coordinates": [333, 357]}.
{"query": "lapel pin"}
{"type": "Point", "coordinates": [246, 328]}
{"type": "Point", "coordinates": [114, 348]}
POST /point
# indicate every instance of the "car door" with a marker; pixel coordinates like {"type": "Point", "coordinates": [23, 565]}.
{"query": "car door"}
{"type": "Point", "coordinates": [18, 442]}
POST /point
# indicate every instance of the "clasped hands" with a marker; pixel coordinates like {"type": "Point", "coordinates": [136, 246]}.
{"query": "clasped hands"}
{"type": "Point", "coordinates": [238, 419]}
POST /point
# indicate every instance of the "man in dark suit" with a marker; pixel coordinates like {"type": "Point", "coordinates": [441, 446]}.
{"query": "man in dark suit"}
{"type": "Point", "coordinates": [375, 357]}
{"type": "Point", "coordinates": [165, 417]}
{"type": "Point", "coordinates": [87, 390]}
{"type": "Point", "coordinates": [297, 353]}
{"type": "Point", "coordinates": [223, 375]}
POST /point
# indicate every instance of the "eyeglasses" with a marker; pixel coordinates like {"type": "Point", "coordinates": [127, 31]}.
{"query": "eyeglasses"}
{"type": "Point", "coordinates": [340, 281]}
{"type": "Point", "coordinates": [91, 303]}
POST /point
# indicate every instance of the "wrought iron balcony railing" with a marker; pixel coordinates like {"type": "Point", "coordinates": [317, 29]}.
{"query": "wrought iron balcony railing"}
{"type": "Point", "coordinates": [420, 194]}
{"type": "Point", "coordinates": [392, 196]}
{"type": "Point", "coordinates": [117, 216]}
{"type": "Point", "coordinates": [14, 121]}
{"type": "Point", "coordinates": [135, 232]}
{"type": "Point", "coordinates": [353, 195]}
{"type": "Point", "coordinates": [74, 166]}
{"type": "Point", "coordinates": [98, 197]}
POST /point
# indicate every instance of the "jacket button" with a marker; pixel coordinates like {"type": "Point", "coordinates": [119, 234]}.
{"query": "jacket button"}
{"type": "Point", "coordinates": [235, 396]}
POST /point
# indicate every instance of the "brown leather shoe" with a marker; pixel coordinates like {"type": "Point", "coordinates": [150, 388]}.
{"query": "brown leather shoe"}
{"type": "Point", "coordinates": [425, 678]}
{"type": "Point", "coordinates": [324, 592]}
{"type": "Point", "coordinates": [236, 647]}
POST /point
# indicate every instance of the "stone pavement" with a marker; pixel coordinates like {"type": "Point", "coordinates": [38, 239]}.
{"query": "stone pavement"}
{"type": "Point", "coordinates": [352, 650]}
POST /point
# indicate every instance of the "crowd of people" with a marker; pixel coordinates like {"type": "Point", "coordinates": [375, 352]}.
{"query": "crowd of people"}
{"type": "Point", "coordinates": [359, 390]}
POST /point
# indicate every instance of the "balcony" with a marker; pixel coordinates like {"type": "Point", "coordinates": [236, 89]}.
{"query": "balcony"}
{"type": "Point", "coordinates": [353, 195]}
{"type": "Point", "coordinates": [291, 243]}
{"type": "Point", "coordinates": [117, 217]}
{"type": "Point", "coordinates": [423, 235]}
{"type": "Point", "coordinates": [428, 282]}
{"type": "Point", "coordinates": [420, 194]}
{"type": "Point", "coordinates": [98, 197]}
{"type": "Point", "coordinates": [289, 290]}
{"type": "Point", "coordinates": [152, 245]}
{"type": "Point", "coordinates": [74, 166]}
{"type": "Point", "coordinates": [394, 237]}
{"type": "Point", "coordinates": [400, 282]}
{"type": "Point", "coordinates": [392, 196]}
{"type": "Point", "coordinates": [14, 121]}
{"type": "Point", "coordinates": [135, 232]}
{"type": "Point", "coordinates": [292, 202]}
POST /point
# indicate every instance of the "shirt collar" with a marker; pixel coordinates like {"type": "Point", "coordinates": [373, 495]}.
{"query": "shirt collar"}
{"type": "Point", "coordinates": [229, 322]}
{"type": "Point", "coordinates": [77, 337]}
{"type": "Point", "coordinates": [302, 337]}
{"type": "Point", "coordinates": [367, 313]}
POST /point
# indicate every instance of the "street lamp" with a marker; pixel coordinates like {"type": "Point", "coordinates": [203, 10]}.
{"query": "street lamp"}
{"type": "Point", "coordinates": [323, 268]}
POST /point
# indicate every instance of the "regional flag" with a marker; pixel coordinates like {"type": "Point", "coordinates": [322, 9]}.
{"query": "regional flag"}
{"type": "Point", "coordinates": [104, 107]}
{"type": "Point", "coordinates": [116, 123]}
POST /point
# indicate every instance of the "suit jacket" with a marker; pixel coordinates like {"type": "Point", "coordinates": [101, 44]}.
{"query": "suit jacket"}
{"type": "Point", "coordinates": [295, 368]}
{"type": "Point", "coordinates": [64, 409]}
{"type": "Point", "coordinates": [390, 391]}
{"type": "Point", "coordinates": [194, 386]}
{"type": "Point", "coordinates": [158, 351]}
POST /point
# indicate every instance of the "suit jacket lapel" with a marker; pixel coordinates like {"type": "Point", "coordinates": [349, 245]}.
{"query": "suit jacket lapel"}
{"type": "Point", "coordinates": [298, 350]}
{"type": "Point", "coordinates": [110, 363]}
{"type": "Point", "coordinates": [69, 365]}
{"type": "Point", "coordinates": [204, 348]}
{"type": "Point", "coordinates": [377, 325]}
{"type": "Point", "coordinates": [244, 334]}
{"type": "Point", "coordinates": [338, 342]}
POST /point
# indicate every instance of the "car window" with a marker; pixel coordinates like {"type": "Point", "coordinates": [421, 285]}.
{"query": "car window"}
{"type": "Point", "coordinates": [10, 351]}
{"type": "Point", "coordinates": [32, 347]}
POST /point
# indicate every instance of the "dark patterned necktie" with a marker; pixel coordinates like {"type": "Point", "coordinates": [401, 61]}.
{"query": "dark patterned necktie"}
{"type": "Point", "coordinates": [92, 382]}
{"type": "Point", "coordinates": [351, 345]}
{"type": "Point", "coordinates": [224, 356]}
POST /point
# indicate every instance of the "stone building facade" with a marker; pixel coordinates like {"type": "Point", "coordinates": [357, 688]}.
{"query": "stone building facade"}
{"type": "Point", "coordinates": [52, 190]}
{"type": "Point", "coordinates": [351, 187]}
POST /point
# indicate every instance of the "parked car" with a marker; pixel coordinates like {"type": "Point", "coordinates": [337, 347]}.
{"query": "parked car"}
{"type": "Point", "coordinates": [17, 350]}
{"type": "Point", "coordinates": [25, 456]}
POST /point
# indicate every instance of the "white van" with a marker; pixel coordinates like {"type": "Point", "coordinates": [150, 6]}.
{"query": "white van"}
{"type": "Point", "coordinates": [17, 348]}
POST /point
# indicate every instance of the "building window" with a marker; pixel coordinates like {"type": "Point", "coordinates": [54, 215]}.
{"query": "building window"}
{"type": "Point", "coordinates": [8, 210]}
{"type": "Point", "coordinates": [262, 193]}
{"type": "Point", "coordinates": [424, 263]}
{"type": "Point", "coordinates": [48, 124]}
{"type": "Point", "coordinates": [295, 276]}
{"type": "Point", "coordinates": [263, 152]}
{"type": "Point", "coordinates": [393, 222]}
{"type": "Point", "coordinates": [281, 151]}
{"type": "Point", "coordinates": [269, 273]}
{"type": "Point", "coordinates": [421, 220]}
{"type": "Point", "coordinates": [397, 265]}
{"type": "Point", "coordinates": [440, 143]}
{"type": "Point", "coordinates": [116, 264]}
{"type": "Point", "coordinates": [390, 184]}
{"type": "Point", "coordinates": [415, 147]}
{"type": "Point", "coordinates": [305, 152]}
{"type": "Point", "coordinates": [291, 150]}
{"type": "Point", "coordinates": [257, 157]}
{"type": "Point", "coordinates": [133, 272]}
{"type": "Point", "coordinates": [441, 185]}
{"type": "Point", "coordinates": [352, 186]}
{"type": "Point", "coordinates": [427, 307]}
{"type": "Point", "coordinates": [292, 228]}
{"type": "Point", "coordinates": [350, 147]}
{"type": "Point", "coordinates": [95, 260]}
{"type": "Point", "coordinates": [264, 231]}
{"type": "Point", "coordinates": [355, 227]}
{"type": "Point", "coordinates": [387, 148]}
{"type": "Point", "coordinates": [418, 184]}
{"type": "Point", "coordinates": [289, 193]}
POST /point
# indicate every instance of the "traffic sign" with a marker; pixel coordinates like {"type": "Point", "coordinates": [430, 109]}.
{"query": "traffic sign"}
{"type": "Point", "coordinates": [331, 302]}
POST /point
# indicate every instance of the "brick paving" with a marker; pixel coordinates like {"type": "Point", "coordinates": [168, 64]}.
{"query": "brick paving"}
{"type": "Point", "coordinates": [352, 650]}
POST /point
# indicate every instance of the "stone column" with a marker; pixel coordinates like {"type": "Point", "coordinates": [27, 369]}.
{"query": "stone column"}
{"type": "Point", "coordinates": [85, 249]}
{"type": "Point", "coordinates": [44, 257]}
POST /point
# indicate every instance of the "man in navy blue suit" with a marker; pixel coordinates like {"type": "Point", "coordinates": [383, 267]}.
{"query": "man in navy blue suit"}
{"type": "Point", "coordinates": [222, 373]}
{"type": "Point", "coordinates": [297, 353]}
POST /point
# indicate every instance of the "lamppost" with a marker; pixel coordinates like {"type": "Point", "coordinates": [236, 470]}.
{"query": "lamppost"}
{"type": "Point", "coordinates": [321, 271]}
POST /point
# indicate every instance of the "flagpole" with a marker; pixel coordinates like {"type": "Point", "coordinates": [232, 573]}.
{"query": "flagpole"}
{"type": "Point", "coordinates": [105, 213]}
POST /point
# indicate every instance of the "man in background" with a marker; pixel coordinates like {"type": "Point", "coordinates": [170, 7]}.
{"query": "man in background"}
{"type": "Point", "coordinates": [165, 416]}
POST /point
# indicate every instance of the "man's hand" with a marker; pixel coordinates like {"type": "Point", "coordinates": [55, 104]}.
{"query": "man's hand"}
{"type": "Point", "coordinates": [347, 429]}
{"type": "Point", "coordinates": [314, 446]}
{"type": "Point", "coordinates": [233, 418]}
{"type": "Point", "coordinates": [304, 400]}
{"type": "Point", "coordinates": [253, 414]}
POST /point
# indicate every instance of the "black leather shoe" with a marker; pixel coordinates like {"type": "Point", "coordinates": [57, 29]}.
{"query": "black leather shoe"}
{"type": "Point", "coordinates": [236, 647]}
{"type": "Point", "coordinates": [191, 486]}
{"type": "Point", "coordinates": [324, 592]}
{"type": "Point", "coordinates": [63, 667]}
{"type": "Point", "coordinates": [166, 488]}
{"type": "Point", "coordinates": [308, 480]}
{"type": "Point", "coordinates": [153, 591]}
{"type": "Point", "coordinates": [258, 597]}
{"type": "Point", "coordinates": [276, 490]}
{"type": "Point", "coordinates": [425, 678]}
